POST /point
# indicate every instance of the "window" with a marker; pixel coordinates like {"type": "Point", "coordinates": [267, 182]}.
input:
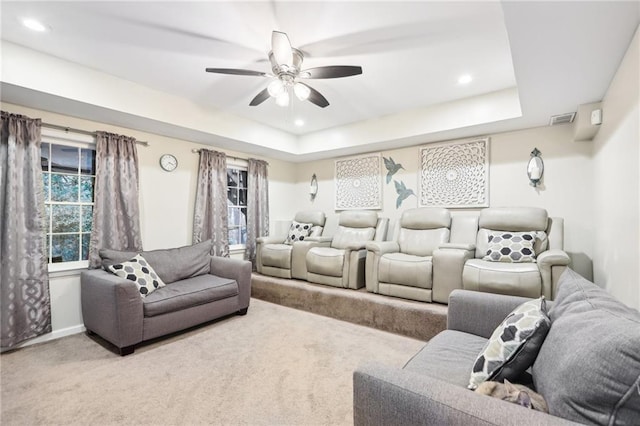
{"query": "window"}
{"type": "Point", "coordinates": [237, 206]}
{"type": "Point", "coordinates": [68, 174]}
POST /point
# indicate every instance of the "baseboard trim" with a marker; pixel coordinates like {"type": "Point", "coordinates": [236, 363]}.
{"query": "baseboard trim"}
{"type": "Point", "coordinates": [56, 334]}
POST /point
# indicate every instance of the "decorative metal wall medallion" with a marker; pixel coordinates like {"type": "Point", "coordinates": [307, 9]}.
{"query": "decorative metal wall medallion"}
{"type": "Point", "coordinates": [455, 174]}
{"type": "Point", "coordinates": [358, 183]}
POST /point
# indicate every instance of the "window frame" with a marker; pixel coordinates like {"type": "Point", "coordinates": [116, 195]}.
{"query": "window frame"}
{"type": "Point", "coordinates": [243, 165]}
{"type": "Point", "coordinates": [76, 140]}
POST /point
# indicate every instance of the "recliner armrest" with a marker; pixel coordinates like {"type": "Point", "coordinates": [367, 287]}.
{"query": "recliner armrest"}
{"type": "Point", "coordinates": [356, 245]}
{"type": "Point", "coordinates": [448, 263]}
{"type": "Point", "coordinates": [319, 239]}
{"type": "Point", "coordinates": [270, 240]}
{"type": "Point", "coordinates": [457, 246]}
{"type": "Point", "coordinates": [551, 264]}
{"type": "Point", "coordinates": [380, 248]}
{"type": "Point", "coordinates": [479, 313]}
{"type": "Point", "coordinates": [391, 396]}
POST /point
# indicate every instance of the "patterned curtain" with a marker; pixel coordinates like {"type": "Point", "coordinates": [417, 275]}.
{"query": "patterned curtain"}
{"type": "Point", "coordinates": [25, 309]}
{"type": "Point", "coordinates": [116, 215]}
{"type": "Point", "coordinates": [257, 206]}
{"type": "Point", "coordinates": [210, 212]}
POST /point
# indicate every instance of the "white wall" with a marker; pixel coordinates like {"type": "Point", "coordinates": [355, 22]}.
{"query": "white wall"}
{"type": "Point", "coordinates": [565, 192]}
{"type": "Point", "coordinates": [616, 162]}
{"type": "Point", "coordinates": [166, 204]}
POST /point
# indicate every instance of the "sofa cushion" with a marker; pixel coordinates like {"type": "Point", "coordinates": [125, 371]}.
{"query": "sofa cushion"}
{"type": "Point", "coordinates": [588, 368]}
{"type": "Point", "coordinates": [514, 344]}
{"type": "Point", "coordinates": [140, 272]}
{"type": "Point", "coordinates": [188, 293]}
{"type": "Point", "coordinates": [170, 264]}
{"type": "Point", "coordinates": [405, 269]}
{"type": "Point", "coordinates": [512, 247]}
{"type": "Point", "coordinates": [448, 356]}
{"type": "Point", "coordinates": [298, 231]}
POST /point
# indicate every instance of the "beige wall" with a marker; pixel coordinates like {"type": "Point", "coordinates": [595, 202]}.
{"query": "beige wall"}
{"type": "Point", "coordinates": [166, 203]}
{"type": "Point", "coordinates": [565, 192]}
{"type": "Point", "coordinates": [616, 160]}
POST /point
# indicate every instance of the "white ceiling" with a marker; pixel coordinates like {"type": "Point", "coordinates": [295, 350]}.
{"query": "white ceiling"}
{"type": "Point", "coordinates": [557, 55]}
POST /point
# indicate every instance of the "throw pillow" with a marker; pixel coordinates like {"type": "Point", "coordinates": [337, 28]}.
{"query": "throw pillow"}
{"type": "Point", "coordinates": [514, 247]}
{"type": "Point", "coordinates": [298, 232]}
{"type": "Point", "coordinates": [140, 272]}
{"type": "Point", "coordinates": [514, 344]}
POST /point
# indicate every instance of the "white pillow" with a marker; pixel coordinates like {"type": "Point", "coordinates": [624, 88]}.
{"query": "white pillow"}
{"type": "Point", "coordinates": [298, 232]}
{"type": "Point", "coordinates": [140, 272]}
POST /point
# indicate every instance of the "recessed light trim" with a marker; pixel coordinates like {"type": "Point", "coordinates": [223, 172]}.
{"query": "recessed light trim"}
{"type": "Point", "coordinates": [299, 122]}
{"type": "Point", "coordinates": [465, 79]}
{"type": "Point", "coordinates": [34, 25]}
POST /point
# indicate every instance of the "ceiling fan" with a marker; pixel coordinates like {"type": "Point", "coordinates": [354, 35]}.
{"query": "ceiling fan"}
{"type": "Point", "coordinates": [286, 63]}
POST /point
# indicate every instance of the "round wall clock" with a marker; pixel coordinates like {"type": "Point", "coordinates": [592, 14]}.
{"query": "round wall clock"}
{"type": "Point", "coordinates": [168, 162]}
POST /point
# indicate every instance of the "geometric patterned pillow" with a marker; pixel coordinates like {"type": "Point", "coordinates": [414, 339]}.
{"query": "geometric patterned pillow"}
{"type": "Point", "coordinates": [514, 344]}
{"type": "Point", "coordinates": [511, 247]}
{"type": "Point", "coordinates": [140, 272]}
{"type": "Point", "coordinates": [298, 232]}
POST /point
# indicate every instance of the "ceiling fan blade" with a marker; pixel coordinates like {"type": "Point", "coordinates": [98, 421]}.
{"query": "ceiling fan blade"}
{"type": "Point", "coordinates": [334, 71]}
{"type": "Point", "coordinates": [316, 98]}
{"type": "Point", "coordinates": [260, 98]}
{"type": "Point", "coordinates": [281, 47]}
{"type": "Point", "coordinates": [235, 71]}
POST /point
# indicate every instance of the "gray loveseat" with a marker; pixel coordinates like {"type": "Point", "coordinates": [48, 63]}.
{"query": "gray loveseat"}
{"type": "Point", "coordinates": [199, 288]}
{"type": "Point", "coordinates": [588, 367]}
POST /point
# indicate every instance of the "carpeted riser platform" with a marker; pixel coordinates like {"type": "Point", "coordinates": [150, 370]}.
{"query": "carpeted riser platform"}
{"type": "Point", "coordinates": [405, 317]}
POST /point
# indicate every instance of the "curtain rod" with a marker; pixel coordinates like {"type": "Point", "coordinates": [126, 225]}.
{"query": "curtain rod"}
{"type": "Point", "coordinates": [197, 151]}
{"type": "Point", "coordinates": [83, 132]}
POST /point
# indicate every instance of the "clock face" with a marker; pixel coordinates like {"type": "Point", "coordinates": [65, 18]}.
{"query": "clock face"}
{"type": "Point", "coordinates": [168, 162]}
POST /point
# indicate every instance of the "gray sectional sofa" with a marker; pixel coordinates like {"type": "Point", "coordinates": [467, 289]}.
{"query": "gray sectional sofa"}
{"type": "Point", "coordinates": [587, 368]}
{"type": "Point", "coordinates": [199, 288]}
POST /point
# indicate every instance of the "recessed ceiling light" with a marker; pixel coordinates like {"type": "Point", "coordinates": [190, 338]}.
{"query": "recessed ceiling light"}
{"type": "Point", "coordinates": [465, 79]}
{"type": "Point", "coordinates": [34, 25]}
{"type": "Point", "coordinates": [299, 122]}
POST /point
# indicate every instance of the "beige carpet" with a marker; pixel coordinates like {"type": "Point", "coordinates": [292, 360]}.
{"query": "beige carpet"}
{"type": "Point", "coordinates": [419, 320]}
{"type": "Point", "coordinates": [275, 366]}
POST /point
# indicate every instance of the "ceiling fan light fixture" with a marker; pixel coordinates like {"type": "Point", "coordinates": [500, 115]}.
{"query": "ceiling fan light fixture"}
{"type": "Point", "coordinates": [275, 88]}
{"type": "Point", "coordinates": [282, 99]}
{"type": "Point", "coordinates": [302, 92]}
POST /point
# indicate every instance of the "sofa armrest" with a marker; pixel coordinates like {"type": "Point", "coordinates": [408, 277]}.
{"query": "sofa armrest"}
{"type": "Point", "coordinates": [382, 247]}
{"type": "Point", "coordinates": [111, 307]}
{"type": "Point", "coordinates": [552, 263]}
{"type": "Point", "coordinates": [390, 396]}
{"type": "Point", "coordinates": [239, 270]}
{"type": "Point", "coordinates": [448, 262]}
{"type": "Point", "coordinates": [479, 313]}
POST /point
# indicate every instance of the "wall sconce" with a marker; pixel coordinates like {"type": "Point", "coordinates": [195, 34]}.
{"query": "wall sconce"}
{"type": "Point", "coordinates": [313, 188]}
{"type": "Point", "coordinates": [535, 167]}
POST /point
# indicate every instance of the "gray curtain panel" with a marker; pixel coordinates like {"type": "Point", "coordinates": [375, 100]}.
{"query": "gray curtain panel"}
{"type": "Point", "coordinates": [25, 309]}
{"type": "Point", "coordinates": [210, 212]}
{"type": "Point", "coordinates": [257, 206]}
{"type": "Point", "coordinates": [116, 214]}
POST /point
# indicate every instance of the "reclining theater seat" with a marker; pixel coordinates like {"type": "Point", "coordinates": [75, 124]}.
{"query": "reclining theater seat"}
{"type": "Point", "coordinates": [402, 267]}
{"type": "Point", "coordinates": [509, 269]}
{"type": "Point", "coordinates": [342, 263]}
{"type": "Point", "coordinates": [279, 256]}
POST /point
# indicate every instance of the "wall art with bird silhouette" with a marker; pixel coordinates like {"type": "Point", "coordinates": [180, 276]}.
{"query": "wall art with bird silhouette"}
{"type": "Point", "coordinates": [401, 189]}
